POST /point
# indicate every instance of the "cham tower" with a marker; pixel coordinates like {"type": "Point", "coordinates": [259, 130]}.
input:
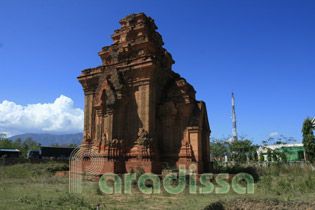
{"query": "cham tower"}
{"type": "Point", "coordinates": [139, 113]}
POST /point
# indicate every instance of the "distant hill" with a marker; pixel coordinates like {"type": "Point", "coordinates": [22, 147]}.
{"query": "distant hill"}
{"type": "Point", "coordinates": [48, 139]}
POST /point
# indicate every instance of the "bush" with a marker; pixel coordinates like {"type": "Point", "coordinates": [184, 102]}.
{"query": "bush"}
{"type": "Point", "coordinates": [32, 170]}
{"type": "Point", "coordinates": [237, 169]}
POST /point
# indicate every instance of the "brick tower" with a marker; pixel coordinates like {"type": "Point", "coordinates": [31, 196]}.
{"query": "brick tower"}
{"type": "Point", "coordinates": [138, 112]}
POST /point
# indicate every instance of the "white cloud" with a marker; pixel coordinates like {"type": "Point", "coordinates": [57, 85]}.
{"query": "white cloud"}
{"type": "Point", "coordinates": [273, 134]}
{"type": "Point", "coordinates": [59, 116]}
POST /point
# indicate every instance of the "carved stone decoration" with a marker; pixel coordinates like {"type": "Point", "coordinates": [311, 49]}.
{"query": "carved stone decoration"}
{"type": "Point", "coordinates": [138, 112]}
{"type": "Point", "coordinates": [115, 149]}
{"type": "Point", "coordinates": [143, 137]}
{"type": "Point", "coordinates": [87, 139]}
{"type": "Point", "coordinates": [146, 143]}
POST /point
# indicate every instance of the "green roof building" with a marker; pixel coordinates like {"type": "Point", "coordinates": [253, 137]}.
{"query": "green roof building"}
{"type": "Point", "coordinates": [293, 152]}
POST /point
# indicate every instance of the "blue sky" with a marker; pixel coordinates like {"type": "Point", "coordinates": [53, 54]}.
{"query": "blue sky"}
{"type": "Point", "coordinates": [263, 50]}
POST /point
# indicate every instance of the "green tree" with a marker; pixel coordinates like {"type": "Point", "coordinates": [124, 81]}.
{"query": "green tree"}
{"type": "Point", "coordinates": [274, 155]}
{"type": "Point", "coordinates": [309, 139]}
{"type": "Point", "coordinates": [218, 148]}
{"type": "Point", "coordinates": [6, 144]}
{"type": "Point", "coordinates": [55, 144]}
{"type": "Point", "coordinates": [283, 157]}
{"type": "Point", "coordinates": [73, 145]}
{"type": "Point", "coordinates": [269, 155]}
{"type": "Point", "coordinates": [250, 154]}
{"type": "Point", "coordinates": [17, 143]}
{"type": "Point", "coordinates": [29, 144]}
{"type": "Point", "coordinates": [261, 157]}
{"type": "Point", "coordinates": [238, 150]}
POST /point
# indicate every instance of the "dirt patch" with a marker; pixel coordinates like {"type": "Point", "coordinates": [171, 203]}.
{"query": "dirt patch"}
{"type": "Point", "coordinates": [249, 204]}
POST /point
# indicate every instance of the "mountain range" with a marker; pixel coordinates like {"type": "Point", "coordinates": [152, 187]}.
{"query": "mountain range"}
{"type": "Point", "coordinates": [49, 139]}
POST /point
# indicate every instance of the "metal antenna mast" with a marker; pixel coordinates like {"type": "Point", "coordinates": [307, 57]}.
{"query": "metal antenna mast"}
{"type": "Point", "coordinates": [234, 119]}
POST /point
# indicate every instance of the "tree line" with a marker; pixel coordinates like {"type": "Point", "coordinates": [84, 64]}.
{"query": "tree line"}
{"type": "Point", "coordinates": [24, 146]}
{"type": "Point", "coordinates": [244, 150]}
{"type": "Point", "coordinates": [239, 151]}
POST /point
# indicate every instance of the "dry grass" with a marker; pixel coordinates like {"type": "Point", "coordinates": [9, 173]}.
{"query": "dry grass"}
{"type": "Point", "coordinates": [34, 186]}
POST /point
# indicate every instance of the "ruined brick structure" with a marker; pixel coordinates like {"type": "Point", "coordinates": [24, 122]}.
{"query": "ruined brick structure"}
{"type": "Point", "coordinates": [138, 112]}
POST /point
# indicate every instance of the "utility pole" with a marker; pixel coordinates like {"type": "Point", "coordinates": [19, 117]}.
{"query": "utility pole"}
{"type": "Point", "coordinates": [233, 119]}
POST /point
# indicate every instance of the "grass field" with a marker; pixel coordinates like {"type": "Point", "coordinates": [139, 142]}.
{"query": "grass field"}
{"type": "Point", "coordinates": [34, 186]}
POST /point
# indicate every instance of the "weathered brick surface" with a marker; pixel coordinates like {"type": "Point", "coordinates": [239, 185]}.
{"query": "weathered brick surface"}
{"type": "Point", "coordinates": [138, 112]}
